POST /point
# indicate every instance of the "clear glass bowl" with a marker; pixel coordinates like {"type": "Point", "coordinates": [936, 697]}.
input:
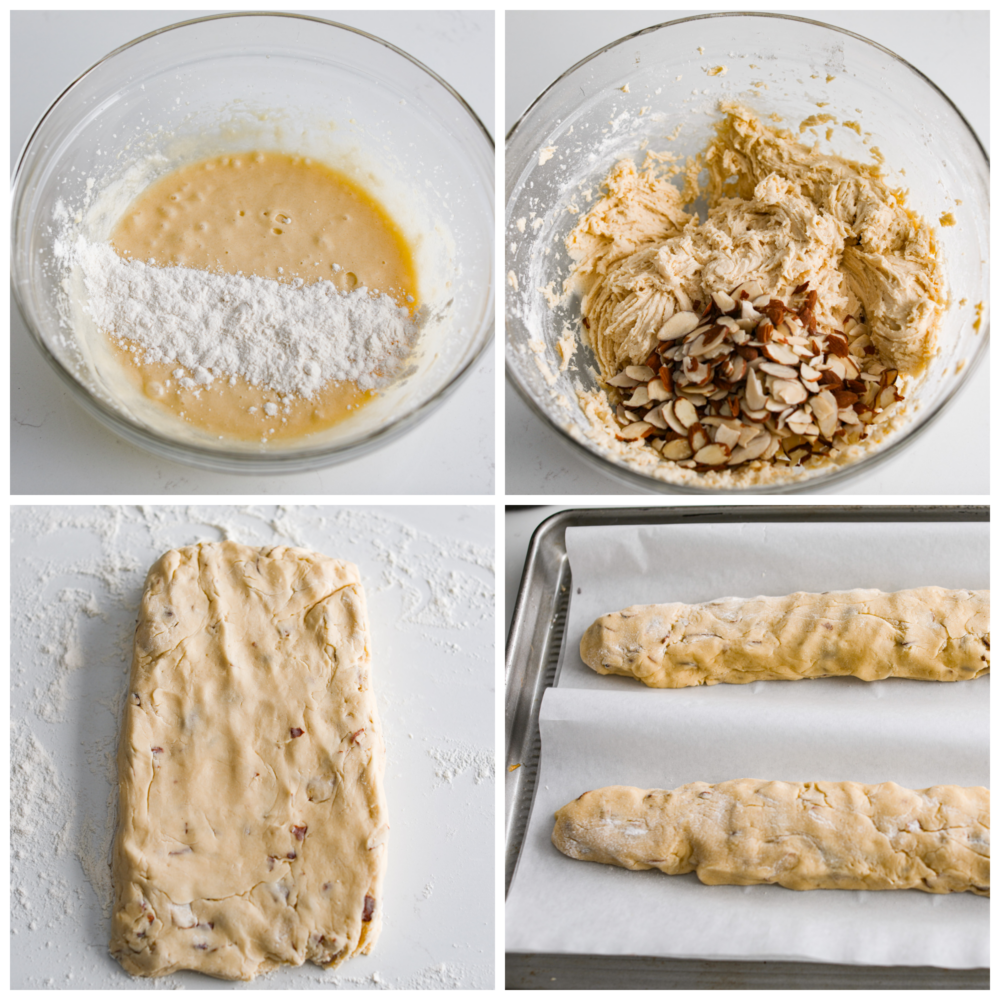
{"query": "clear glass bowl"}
{"type": "Point", "coordinates": [583, 123]}
{"type": "Point", "coordinates": [270, 81]}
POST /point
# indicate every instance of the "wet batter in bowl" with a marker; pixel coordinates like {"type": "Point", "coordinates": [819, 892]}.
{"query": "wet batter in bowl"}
{"type": "Point", "coordinates": [268, 215]}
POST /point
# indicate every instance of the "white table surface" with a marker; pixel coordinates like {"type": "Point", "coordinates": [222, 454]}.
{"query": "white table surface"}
{"type": "Point", "coordinates": [429, 577]}
{"type": "Point", "coordinates": [952, 49]}
{"type": "Point", "coordinates": [58, 449]}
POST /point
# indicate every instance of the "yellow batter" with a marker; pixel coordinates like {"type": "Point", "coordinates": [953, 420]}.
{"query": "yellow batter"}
{"type": "Point", "coordinates": [270, 215]}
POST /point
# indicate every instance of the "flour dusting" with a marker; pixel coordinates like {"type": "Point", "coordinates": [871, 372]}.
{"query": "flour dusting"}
{"type": "Point", "coordinates": [290, 337]}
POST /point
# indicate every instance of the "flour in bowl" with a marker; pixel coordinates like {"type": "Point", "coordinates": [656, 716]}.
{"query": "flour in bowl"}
{"type": "Point", "coordinates": [289, 337]}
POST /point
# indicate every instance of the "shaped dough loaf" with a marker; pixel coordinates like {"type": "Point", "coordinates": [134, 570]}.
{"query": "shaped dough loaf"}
{"type": "Point", "coordinates": [927, 634]}
{"type": "Point", "coordinates": [818, 835]}
{"type": "Point", "coordinates": [252, 823]}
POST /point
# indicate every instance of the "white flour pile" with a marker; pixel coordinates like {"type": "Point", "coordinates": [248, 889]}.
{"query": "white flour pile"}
{"type": "Point", "coordinates": [292, 338]}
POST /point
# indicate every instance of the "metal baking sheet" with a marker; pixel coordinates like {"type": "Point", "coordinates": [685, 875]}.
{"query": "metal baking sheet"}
{"type": "Point", "coordinates": [533, 652]}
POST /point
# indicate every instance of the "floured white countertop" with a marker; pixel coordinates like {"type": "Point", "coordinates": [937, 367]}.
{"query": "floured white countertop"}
{"type": "Point", "coordinates": [76, 580]}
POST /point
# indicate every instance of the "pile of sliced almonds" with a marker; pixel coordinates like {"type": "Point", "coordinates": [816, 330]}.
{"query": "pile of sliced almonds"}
{"type": "Point", "coordinates": [751, 377]}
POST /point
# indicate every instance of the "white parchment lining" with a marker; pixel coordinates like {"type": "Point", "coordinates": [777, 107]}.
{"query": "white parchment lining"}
{"type": "Point", "coordinates": [612, 730]}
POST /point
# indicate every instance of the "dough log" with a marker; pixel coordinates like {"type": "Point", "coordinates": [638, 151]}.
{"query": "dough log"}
{"type": "Point", "coordinates": [817, 835]}
{"type": "Point", "coordinates": [252, 823]}
{"type": "Point", "coordinates": [927, 634]}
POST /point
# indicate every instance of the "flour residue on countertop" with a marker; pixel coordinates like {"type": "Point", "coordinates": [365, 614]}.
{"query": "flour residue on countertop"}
{"type": "Point", "coordinates": [76, 580]}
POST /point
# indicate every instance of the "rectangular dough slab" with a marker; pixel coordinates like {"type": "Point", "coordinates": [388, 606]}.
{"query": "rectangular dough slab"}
{"type": "Point", "coordinates": [816, 835]}
{"type": "Point", "coordinates": [927, 633]}
{"type": "Point", "coordinates": [252, 823]}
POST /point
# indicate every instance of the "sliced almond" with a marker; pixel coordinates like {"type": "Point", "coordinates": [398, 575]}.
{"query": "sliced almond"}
{"type": "Point", "coordinates": [655, 417]}
{"type": "Point", "coordinates": [685, 411]}
{"type": "Point", "coordinates": [727, 436]}
{"type": "Point", "coordinates": [639, 398]}
{"type": "Point", "coordinates": [824, 409]}
{"type": "Point", "coordinates": [778, 371]}
{"type": "Point", "coordinates": [635, 431]}
{"type": "Point", "coordinates": [808, 374]}
{"type": "Point", "coordinates": [753, 449]}
{"type": "Point", "coordinates": [788, 391]}
{"type": "Point", "coordinates": [677, 450]}
{"type": "Point", "coordinates": [712, 454]}
{"type": "Point", "coordinates": [780, 353]}
{"type": "Point", "coordinates": [754, 392]}
{"type": "Point", "coordinates": [657, 391]}
{"type": "Point", "coordinates": [887, 396]}
{"type": "Point", "coordinates": [623, 381]}
{"type": "Point", "coordinates": [669, 411]}
{"type": "Point", "coordinates": [698, 436]}
{"type": "Point", "coordinates": [752, 288]}
{"type": "Point", "coordinates": [697, 371]}
{"type": "Point", "coordinates": [724, 301]}
{"type": "Point", "coordinates": [679, 325]}
{"type": "Point", "coordinates": [641, 373]}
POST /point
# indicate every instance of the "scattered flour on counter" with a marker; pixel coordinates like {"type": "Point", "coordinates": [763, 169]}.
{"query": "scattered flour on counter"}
{"type": "Point", "coordinates": [290, 337]}
{"type": "Point", "coordinates": [460, 758]}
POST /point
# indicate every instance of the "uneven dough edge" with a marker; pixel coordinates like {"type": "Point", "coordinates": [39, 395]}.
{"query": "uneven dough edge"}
{"type": "Point", "coordinates": [250, 689]}
{"type": "Point", "coordinates": [814, 835]}
{"type": "Point", "coordinates": [926, 633]}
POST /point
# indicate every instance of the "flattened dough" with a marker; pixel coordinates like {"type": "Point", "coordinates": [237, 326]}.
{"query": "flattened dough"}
{"type": "Point", "coordinates": [817, 835]}
{"type": "Point", "coordinates": [928, 633]}
{"type": "Point", "coordinates": [252, 823]}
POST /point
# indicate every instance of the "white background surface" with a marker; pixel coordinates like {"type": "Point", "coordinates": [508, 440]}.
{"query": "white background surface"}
{"type": "Point", "coordinates": [600, 731]}
{"type": "Point", "coordinates": [58, 449]}
{"type": "Point", "coordinates": [428, 573]}
{"type": "Point", "coordinates": [952, 49]}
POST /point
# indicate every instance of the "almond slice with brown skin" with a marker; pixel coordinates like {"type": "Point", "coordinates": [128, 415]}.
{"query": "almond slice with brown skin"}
{"type": "Point", "coordinates": [698, 437]}
{"type": "Point", "coordinates": [712, 454]}
{"type": "Point", "coordinates": [679, 325]}
{"type": "Point", "coordinates": [635, 431]}
{"type": "Point", "coordinates": [780, 353]}
{"type": "Point", "coordinates": [685, 412]}
{"type": "Point", "coordinates": [673, 421]}
{"type": "Point", "coordinates": [677, 450]}
{"type": "Point", "coordinates": [657, 391]}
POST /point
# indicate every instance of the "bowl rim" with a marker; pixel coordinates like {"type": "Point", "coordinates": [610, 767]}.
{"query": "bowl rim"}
{"type": "Point", "coordinates": [836, 474]}
{"type": "Point", "coordinates": [246, 461]}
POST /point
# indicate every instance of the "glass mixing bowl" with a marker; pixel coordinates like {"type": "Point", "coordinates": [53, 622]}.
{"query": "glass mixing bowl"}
{"type": "Point", "coordinates": [632, 95]}
{"type": "Point", "coordinates": [266, 81]}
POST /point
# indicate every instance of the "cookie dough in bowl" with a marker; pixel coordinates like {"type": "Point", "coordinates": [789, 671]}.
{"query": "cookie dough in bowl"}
{"type": "Point", "coordinates": [744, 258]}
{"type": "Point", "coordinates": [257, 243]}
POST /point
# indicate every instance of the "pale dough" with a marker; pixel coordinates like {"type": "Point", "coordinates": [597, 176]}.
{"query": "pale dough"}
{"type": "Point", "coordinates": [252, 822]}
{"type": "Point", "coordinates": [780, 213]}
{"type": "Point", "coordinates": [928, 633]}
{"type": "Point", "coordinates": [816, 835]}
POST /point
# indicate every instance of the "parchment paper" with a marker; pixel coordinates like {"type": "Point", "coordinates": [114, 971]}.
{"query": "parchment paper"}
{"type": "Point", "coordinates": [611, 730]}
